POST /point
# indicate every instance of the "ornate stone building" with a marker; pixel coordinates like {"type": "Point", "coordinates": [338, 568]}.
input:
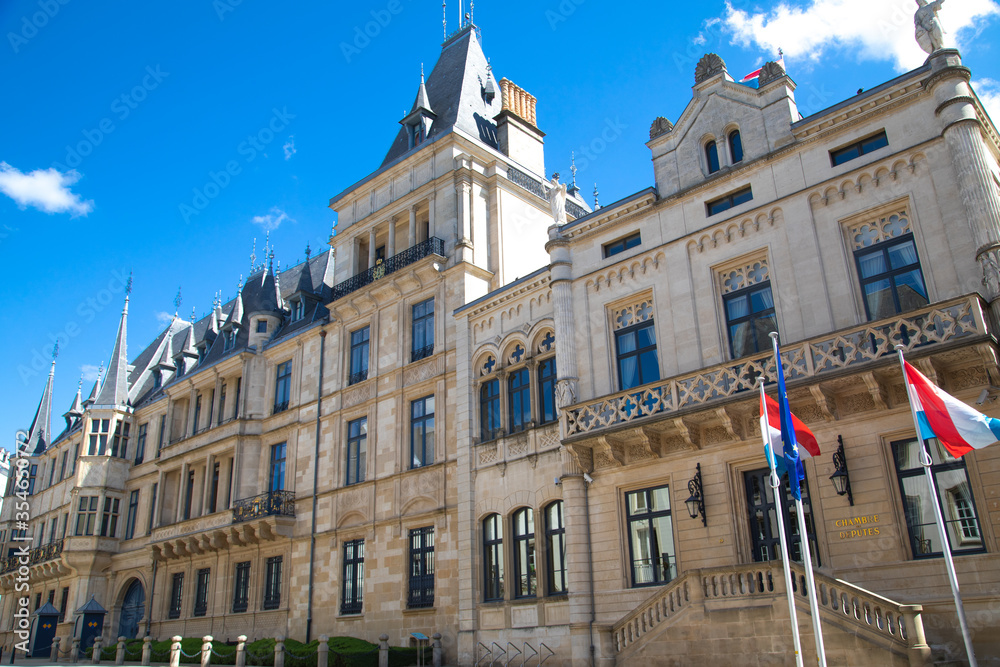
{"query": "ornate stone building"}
{"type": "Point", "coordinates": [480, 423]}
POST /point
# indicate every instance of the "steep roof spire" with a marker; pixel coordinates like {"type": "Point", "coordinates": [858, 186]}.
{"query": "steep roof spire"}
{"type": "Point", "coordinates": [76, 410]}
{"type": "Point", "coordinates": [41, 427]}
{"type": "Point", "coordinates": [114, 391]}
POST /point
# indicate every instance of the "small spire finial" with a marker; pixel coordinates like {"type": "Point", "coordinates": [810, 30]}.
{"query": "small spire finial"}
{"type": "Point", "coordinates": [597, 204]}
{"type": "Point", "coordinates": [100, 372]}
{"type": "Point", "coordinates": [444, 19]}
{"type": "Point", "coordinates": [193, 314]}
{"type": "Point", "coordinates": [55, 351]}
{"type": "Point", "coordinates": [472, 11]}
{"type": "Point", "coordinates": [308, 252]}
{"type": "Point", "coordinates": [421, 72]}
{"type": "Point", "coordinates": [79, 385]}
{"type": "Point", "coordinates": [267, 244]}
{"type": "Point", "coordinates": [572, 168]}
{"type": "Point", "coordinates": [178, 301]}
{"type": "Point", "coordinates": [253, 257]}
{"type": "Point", "coordinates": [128, 285]}
{"type": "Point", "coordinates": [239, 285]}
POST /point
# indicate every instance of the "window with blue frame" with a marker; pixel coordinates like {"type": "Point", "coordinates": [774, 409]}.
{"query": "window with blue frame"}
{"type": "Point", "coordinates": [489, 410]}
{"type": "Point", "coordinates": [749, 319]}
{"type": "Point", "coordinates": [423, 330]}
{"type": "Point", "coordinates": [638, 362]}
{"type": "Point", "coordinates": [276, 480]}
{"type": "Point", "coordinates": [892, 281]}
{"type": "Point", "coordinates": [422, 432]}
{"type": "Point", "coordinates": [547, 390]}
{"type": "Point", "coordinates": [519, 399]}
{"type": "Point", "coordinates": [359, 355]}
{"type": "Point", "coordinates": [357, 447]}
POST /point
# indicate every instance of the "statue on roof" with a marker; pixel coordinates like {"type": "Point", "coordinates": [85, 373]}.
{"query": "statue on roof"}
{"type": "Point", "coordinates": [929, 34]}
{"type": "Point", "coordinates": [557, 199]}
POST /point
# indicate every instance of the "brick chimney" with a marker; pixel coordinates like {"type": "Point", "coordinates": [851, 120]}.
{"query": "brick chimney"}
{"type": "Point", "coordinates": [517, 129]}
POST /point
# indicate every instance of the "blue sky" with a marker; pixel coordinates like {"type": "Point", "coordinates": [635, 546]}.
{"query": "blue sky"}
{"type": "Point", "coordinates": [119, 125]}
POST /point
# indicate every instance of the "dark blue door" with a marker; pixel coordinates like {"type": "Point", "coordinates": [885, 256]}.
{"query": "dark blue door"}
{"type": "Point", "coordinates": [133, 608]}
{"type": "Point", "coordinates": [92, 625]}
{"type": "Point", "coordinates": [44, 632]}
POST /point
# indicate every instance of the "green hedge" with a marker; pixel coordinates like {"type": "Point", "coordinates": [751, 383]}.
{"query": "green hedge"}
{"type": "Point", "coordinates": [344, 652]}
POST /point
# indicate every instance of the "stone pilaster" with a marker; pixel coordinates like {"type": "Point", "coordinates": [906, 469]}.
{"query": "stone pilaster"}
{"type": "Point", "coordinates": [562, 304]}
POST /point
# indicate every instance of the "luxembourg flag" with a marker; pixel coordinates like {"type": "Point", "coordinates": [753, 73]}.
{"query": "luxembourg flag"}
{"type": "Point", "coordinates": [959, 428]}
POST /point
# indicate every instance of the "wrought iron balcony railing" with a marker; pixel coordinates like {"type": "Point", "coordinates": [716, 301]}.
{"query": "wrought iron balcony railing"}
{"type": "Point", "coordinates": [360, 376]}
{"type": "Point", "coordinates": [432, 246]}
{"type": "Point", "coordinates": [422, 353]}
{"type": "Point", "coordinates": [280, 407]}
{"type": "Point", "coordinates": [272, 503]}
{"type": "Point", "coordinates": [812, 358]}
{"type": "Point", "coordinates": [41, 554]}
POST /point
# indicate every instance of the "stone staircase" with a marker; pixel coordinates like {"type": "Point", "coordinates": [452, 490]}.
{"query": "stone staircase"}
{"type": "Point", "coordinates": [702, 606]}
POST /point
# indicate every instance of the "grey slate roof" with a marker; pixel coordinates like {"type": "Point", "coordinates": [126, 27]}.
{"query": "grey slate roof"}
{"type": "Point", "coordinates": [454, 90]}
{"type": "Point", "coordinates": [41, 427]}
{"type": "Point", "coordinates": [114, 391]}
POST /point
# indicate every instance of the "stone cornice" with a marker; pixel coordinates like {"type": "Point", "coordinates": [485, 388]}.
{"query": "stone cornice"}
{"type": "Point", "coordinates": [511, 293]}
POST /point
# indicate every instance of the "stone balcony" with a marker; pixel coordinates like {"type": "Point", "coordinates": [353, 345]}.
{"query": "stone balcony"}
{"type": "Point", "coordinates": [717, 404]}
{"type": "Point", "coordinates": [432, 246]}
{"type": "Point", "coordinates": [263, 518]}
{"type": "Point", "coordinates": [43, 562]}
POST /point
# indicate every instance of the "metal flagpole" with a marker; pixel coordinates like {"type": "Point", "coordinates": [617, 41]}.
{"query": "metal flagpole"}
{"type": "Point", "coordinates": [925, 461]}
{"type": "Point", "coordinates": [775, 487]}
{"type": "Point", "coordinates": [804, 543]}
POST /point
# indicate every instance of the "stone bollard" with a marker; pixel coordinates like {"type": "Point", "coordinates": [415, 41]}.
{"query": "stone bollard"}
{"type": "Point", "coordinates": [96, 650]}
{"type": "Point", "coordinates": [323, 652]}
{"type": "Point", "coordinates": [206, 651]}
{"type": "Point", "coordinates": [75, 649]}
{"type": "Point", "coordinates": [436, 651]}
{"type": "Point", "coordinates": [241, 651]}
{"type": "Point", "coordinates": [279, 652]}
{"type": "Point", "coordinates": [54, 655]}
{"type": "Point", "coordinates": [147, 650]}
{"type": "Point", "coordinates": [120, 655]}
{"type": "Point", "coordinates": [383, 651]}
{"type": "Point", "coordinates": [175, 651]}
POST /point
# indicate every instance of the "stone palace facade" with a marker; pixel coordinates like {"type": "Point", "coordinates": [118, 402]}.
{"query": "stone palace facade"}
{"type": "Point", "coordinates": [544, 437]}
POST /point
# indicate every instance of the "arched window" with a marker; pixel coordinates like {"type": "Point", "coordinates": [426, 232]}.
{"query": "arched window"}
{"type": "Point", "coordinates": [712, 155]}
{"type": "Point", "coordinates": [736, 146]}
{"type": "Point", "coordinates": [492, 558]}
{"type": "Point", "coordinates": [555, 543]}
{"type": "Point", "coordinates": [525, 575]}
{"type": "Point", "coordinates": [547, 390]}
{"type": "Point", "coordinates": [519, 399]}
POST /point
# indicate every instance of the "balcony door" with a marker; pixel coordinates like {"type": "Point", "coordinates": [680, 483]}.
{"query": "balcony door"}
{"type": "Point", "coordinates": [763, 519]}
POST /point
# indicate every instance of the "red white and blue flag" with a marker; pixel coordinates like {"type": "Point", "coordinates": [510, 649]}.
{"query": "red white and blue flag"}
{"type": "Point", "coordinates": [808, 445]}
{"type": "Point", "coordinates": [959, 428]}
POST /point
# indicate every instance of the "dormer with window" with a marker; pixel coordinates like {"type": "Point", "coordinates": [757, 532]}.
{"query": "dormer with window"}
{"type": "Point", "coordinates": [420, 119]}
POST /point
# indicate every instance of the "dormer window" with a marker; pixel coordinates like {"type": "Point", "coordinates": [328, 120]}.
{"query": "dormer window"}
{"type": "Point", "coordinates": [712, 157]}
{"type": "Point", "coordinates": [157, 379]}
{"type": "Point", "coordinates": [179, 362]}
{"type": "Point", "coordinates": [229, 340]}
{"type": "Point", "coordinates": [416, 133]}
{"type": "Point", "coordinates": [298, 310]}
{"type": "Point", "coordinates": [261, 326]}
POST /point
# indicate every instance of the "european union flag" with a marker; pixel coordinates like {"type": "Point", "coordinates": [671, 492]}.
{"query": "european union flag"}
{"type": "Point", "coordinates": [790, 449]}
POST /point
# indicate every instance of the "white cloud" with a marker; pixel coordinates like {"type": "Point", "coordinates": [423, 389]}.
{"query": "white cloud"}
{"type": "Point", "coordinates": [880, 30]}
{"type": "Point", "coordinates": [289, 147]}
{"type": "Point", "coordinates": [45, 189]}
{"type": "Point", "coordinates": [272, 220]}
{"type": "Point", "coordinates": [163, 317]}
{"type": "Point", "coordinates": [89, 372]}
{"type": "Point", "coordinates": [988, 91]}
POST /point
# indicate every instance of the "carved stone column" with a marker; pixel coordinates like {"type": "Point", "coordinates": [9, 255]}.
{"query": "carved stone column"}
{"type": "Point", "coordinates": [963, 136]}
{"type": "Point", "coordinates": [390, 248]}
{"type": "Point", "coordinates": [413, 226]}
{"type": "Point", "coordinates": [463, 192]}
{"type": "Point", "coordinates": [371, 248]}
{"type": "Point", "coordinates": [562, 303]}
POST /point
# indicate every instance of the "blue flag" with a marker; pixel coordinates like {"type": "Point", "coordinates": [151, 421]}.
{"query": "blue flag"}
{"type": "Point", "coordinates": [790, 448]}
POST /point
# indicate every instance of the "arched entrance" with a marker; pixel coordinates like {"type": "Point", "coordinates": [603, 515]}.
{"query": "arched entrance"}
{"type": "Point", "coordinates": [133, 609]}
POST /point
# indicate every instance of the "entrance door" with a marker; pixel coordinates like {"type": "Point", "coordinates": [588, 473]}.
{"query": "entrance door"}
{"type": "Point", "coordinates": [133, 608]}
{"type": "Point", "coordinates": [764, 536]}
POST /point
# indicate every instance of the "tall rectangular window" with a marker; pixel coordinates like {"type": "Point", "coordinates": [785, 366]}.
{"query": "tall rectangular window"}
{"type": "Point", "coordinates": [422, 432]}
{"type": "Point", "coordinates": [547, 390]}
{"type": "Point", "coordinates": [32, 475]}
{"type": "Point", "coordinates": [421, 568]}
{"type": "Point", "coordinates": [241, 587]}
{"type": "Point", "coordinates": [62, 467]}
{"type": "Point", "coordinates": [272, 583]}
{"type": "Point", "coordinates": [353, 581]}
{"type": "Point", "coordinates": [161, 434]}
{"type": "Point", "coordinates": [638, 362]}
{"type": "Point", "coordinates": [52, 532]}
{"type": "Point", "coordinates": [188, 494]}
{"type": "Point", "coordinates": [211, 409]}
{"type": "Point", "coordinates": [76, 456]}
{"type": "Point", "coordinates": [276, 480]}
{"type": "Point", "coordinates": [357, 447]}
{"type": "Point", "coordinates": [423, 330]}
{"type": "Point", "coordinates": [489, 410]}
{"type": "Point", "coordinates": [891, 278]}
{"type": "Point", "coordinates": [222, 402]}
{"type": "Point", "coordinates": [236, 398]}
{"type": "Point", "coordinates": [197, 414]}
{"type": "Point", "coordinates": [492, 558]}
{"type": "Point", "coordinates": [555, 538]}
{"type": "Point", "coordinates": [176, 595]}
{"type": "Point", "coordinates": [282, 386]}
{"type": "Point", "coordinates": [86, 515]}
{"type": "Point", "coordinates": [109, 517]}
{"type": "Point", "coordinates": [519, 399]}
{"type": "Point", "coordinates": [954, 495]}
{"type": "Point", "coordinates": [525, 574]}
{"type": "Point", "coordinates": [133, 510]}
{"type": "Point", "coordinates": [63, 604]}
{"type": "Point", "coordinates": [650, 536]}
{"type": "Point", "coordinates": [201, 592]}
{"type": "Point", "coordinates": [52, 471]}
{"type": "Point", "coordinates": [152, 508]}
{"type": "Point", "coordinates": [359, 355]}
{"type": "Point", "coordinates": [749, 319]}
{"type": "Point", "coordinates": [140, 446]}
{"type": "Point", "coordinates": [213, 497]}
{"type": "Point", "coordinates": [98, 443]}
{"type": "Point", "coordinates": [119, 444]}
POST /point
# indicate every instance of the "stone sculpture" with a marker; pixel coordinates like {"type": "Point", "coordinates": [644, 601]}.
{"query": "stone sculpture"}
{"type": "Point", "coordinates": [929, 34]}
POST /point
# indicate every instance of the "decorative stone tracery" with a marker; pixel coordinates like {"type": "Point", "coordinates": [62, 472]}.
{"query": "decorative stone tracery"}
{"type": "Point", "coordinates": [868, 233]}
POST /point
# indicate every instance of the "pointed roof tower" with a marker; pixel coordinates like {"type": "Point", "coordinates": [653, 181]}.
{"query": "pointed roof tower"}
{"type": "Point", "coordinates": [114, 391]}
{"type": "Point", "coordinates": [41, 428]}
{"type": "Point", "coordinates": [97, 387]}
{"type": "Point", "coordinates": [76, 410]}
{"type": "Point", "coordinates": [454, 96]}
